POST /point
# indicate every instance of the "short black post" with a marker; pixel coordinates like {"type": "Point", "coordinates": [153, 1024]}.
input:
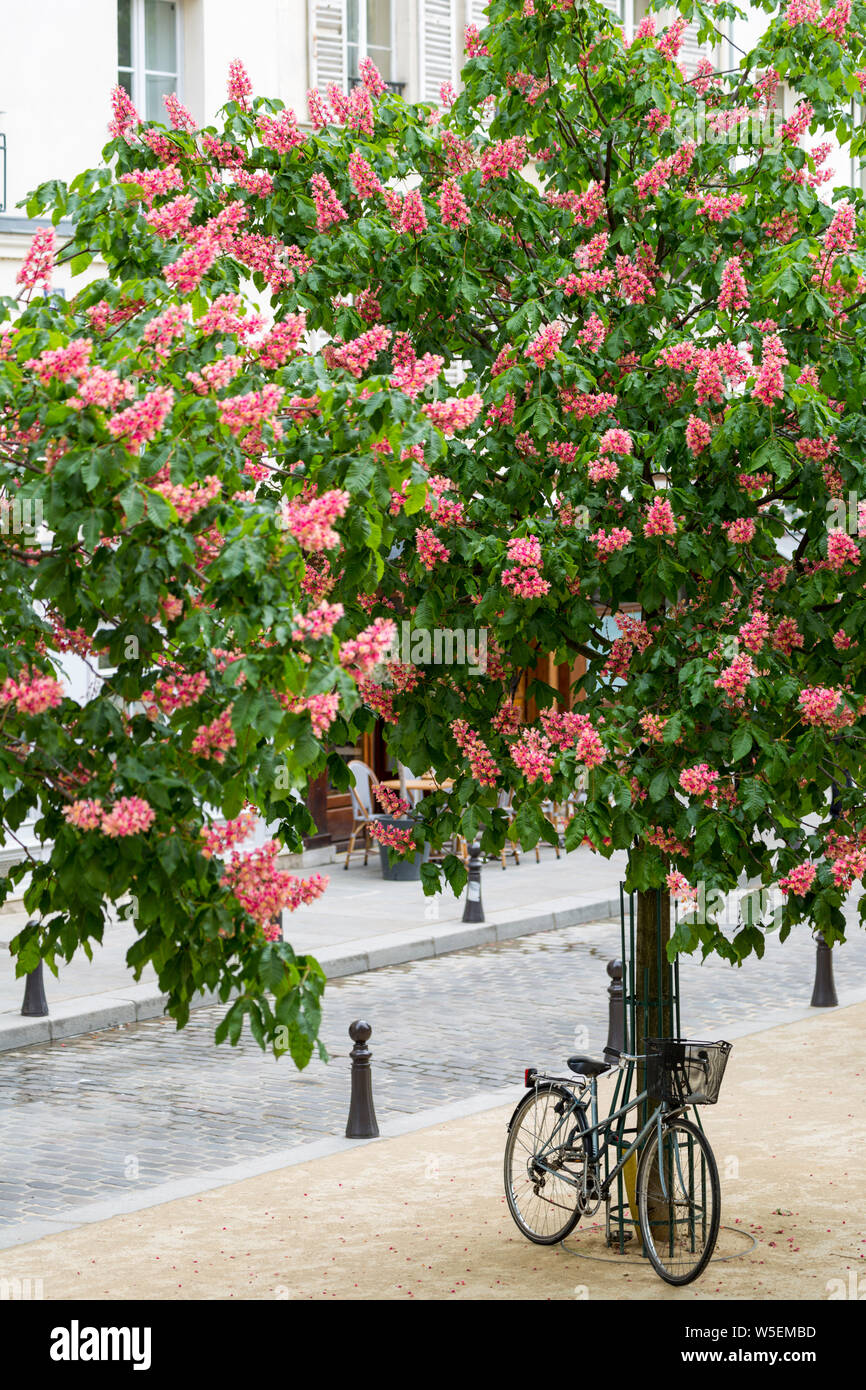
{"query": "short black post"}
{"type": "Point", "coordinates": [362, 1115]}
{"type": "Point", "coordinates": [824, 991]}
{"type": "Point", "coordinates": [35, 1004]}
{"type": "Point", "coordinates": [615, 1016]}
{"type": "Point", "coordinates": [473, 911]}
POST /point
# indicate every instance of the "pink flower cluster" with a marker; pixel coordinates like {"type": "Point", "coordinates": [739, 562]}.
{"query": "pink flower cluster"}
{"type": "Point", "coordinates": [124, 114]}
{"type": "Point", "coordinates": [570, 729]}
{"type": "Point", "coordinates": [801, 878]}
{"type": "Point", "coordinates": [524, 579]}
{"type": "Point", "coordinates": [457, 413]}
{"type": "Point", "coordinates": [820, 705]}
{"type": "Point", "coordinates": [411, 377]}
{"type": "Point", "coordinates": [453, 208]}
{"type": "Point", "coordinates": [263, 890]}
{"type": "Point", "coordinates": [431, 551]}
{"type": "Point", "coordinates": [180, 117]}
{"type": "Point", "coordinates": [38, 264]}
{"type": "Point", "coordinates": [545, 345]}
{"type": "Point", "coordinates": [363, 653]}
{"type": "Point", "coordinates": [481, 762]}
{"type": "Point", "coordinates": [842, 550]}
{"type": "Point", "coordinates": [698, 434]}
{"type": "Point", "coordinates": [214, 740]}
{"type": "Point", "coordinates": [607, 543]}
{"type": "Point", "coordinates": [740, 531]}
{"type": "Point", "coordinates": [660, 519]}
{"type": "Point", "coordinates": [735, 678]}
{"type": "Point", "coordinates": [534, 756]}
{"type": "Point", "coordinates": [250, 411]}
{"type": "Point", "coordinates": [215, 375]}
{"type": "Point", "coordinates": [700, 780]}
{"type": "Point", "coordinates": [62, 363]}
{"type": "Point", "coordinates": [399, 838]}
{"type": "Point", "coordinates": [311, 521]}
{"type": "Point", "coordinates": [280, 132]}
{"type": "Point", "coordinates": [171, 693]}
{"type": "Point", "coordinates": [413, 218]}
{"type": "Point", "coordinates": [189, 499]}
{"type": "Point", "coordinates": [322, 709]}
{"type": "Point", "coordinates": [219, 838]}
{"type": "Point", "coordinates": [364, 179]}
{"type": "Point", "coordinates": [131, 815]}
{"type": "Point", "coordinates": [356, 356]}
{"type": "Point", "coordinates": [733, 294]}
{"type": "Point", "coordinates": [390, 800]}
{"type": "Point", "coordinates": [240, 87]}
{"type": "Point", "coordinates": [501, 157]}
{"type": "Point", "coordinates": [31, 693]}
{"type": "Point", "coordinates": [329, 209]}
{"type": "Point", "coordinates": [142, 421]}
{"type": "Point", "coordinates": [319, 622]}
{"type": "Point", "coordinates": [770, 384]}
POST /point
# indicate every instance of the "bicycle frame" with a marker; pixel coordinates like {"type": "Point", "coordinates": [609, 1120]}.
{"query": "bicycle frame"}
{"type": "Point", "coordinates": [600, 1129]}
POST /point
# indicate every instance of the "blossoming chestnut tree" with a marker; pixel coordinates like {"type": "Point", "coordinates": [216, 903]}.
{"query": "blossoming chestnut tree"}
{"type": "Point", "coordinates": [659, 311]}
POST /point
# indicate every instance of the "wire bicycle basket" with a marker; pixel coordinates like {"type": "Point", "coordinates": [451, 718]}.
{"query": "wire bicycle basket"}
{"type": "Point", "coordinates": [682, 1071]}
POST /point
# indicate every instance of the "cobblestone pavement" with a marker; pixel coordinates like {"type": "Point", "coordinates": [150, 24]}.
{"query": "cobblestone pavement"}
{"type": "Point", "coordinates": [142, 1104]}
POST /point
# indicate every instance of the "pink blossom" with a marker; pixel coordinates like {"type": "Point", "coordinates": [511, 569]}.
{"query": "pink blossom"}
{"type": "Point", "coordinates": [534, 756]}
{"type": "Point", "coordinates": [698, 434]}
{"type": "Point", "coordinates": [733, 294]}
{"type": "Point", "coordinates": [413, 218]}
{"type": "Point", "coordinates": [280, 132]}
{"type": "Point", "coordinates": [364, 178]}
{"type": "Point", "coordinates": [735, 678]}
{"type": "Point", "coordinates": [740, 531]}
{"type": "Point", "coordinates": [131, 815]}
{"type": "Point", "coordinates": [801, 878]}
{"type": "Point", "coordinates": [38, 264]}
{"type": "Point", "coordinates": [311, 521]}
{"type": "Point", "coordinates": [820, 705]}
{"type": "Point", "coordinates": [607, 543]}
{"type": "Point", "coordinates": [84, 815]}
{"type": "Point", "coordinates": [660, 519]}
{"type": "Point", "coordinates": [545, 345]}
{"type": "Point", "coordinates": [180, 117]}
{"type": "Point", "coordinates": [329, 209]}
{"type": "Point", "coordinates": [214, 740]}
{"type": "Point", "coordinates": [240, 87]}
{"type": "Point", "coordinates": [431, 551]}
{"type": "Point", "coordinates": [363, 653]}
{"type": "Point", "coordinates": [699, 780]}
{"type": "Point", "coordinates": [481, 762]}
{"type": "Point", "coordinates": [453, 208]}
{"type": "Point", "coordinates": [457, 413]}
{"type": "Point", "coordinates": [32, 693]}
{"type": "Point", "coordinates": [124, 114]}
{"type": "Point", "coordinates": [842, 550]}
{"type": "Point", "coordinates": [264, 891]}
{"type": "Point", "coordinates": [615, 441]}
{"type": "Point", "coordinates": [142, 421]}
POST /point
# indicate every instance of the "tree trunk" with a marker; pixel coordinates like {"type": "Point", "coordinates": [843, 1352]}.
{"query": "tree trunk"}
{"type": "Point", "coordinates": [654, 1006]}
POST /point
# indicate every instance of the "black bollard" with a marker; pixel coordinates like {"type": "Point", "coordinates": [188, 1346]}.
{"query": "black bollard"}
{"type": "Point", "coordinates": [824, 991]}
{"type": "Point", "coordinates": [35, 1004]}
{"type": "Point", "coordinates": [473, 910]}
{"type": "Point", "coordinates": [615, 1015]}
{"type": "Point", "coordinates": [362, 1115]}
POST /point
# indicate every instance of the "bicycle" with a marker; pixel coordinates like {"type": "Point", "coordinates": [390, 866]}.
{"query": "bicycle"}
{"type": "Point", "coordinates": [553, 1156]}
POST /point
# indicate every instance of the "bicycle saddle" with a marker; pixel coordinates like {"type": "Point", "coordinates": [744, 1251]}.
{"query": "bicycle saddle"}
{"type": "Point", "coordinates": [587, 1066]}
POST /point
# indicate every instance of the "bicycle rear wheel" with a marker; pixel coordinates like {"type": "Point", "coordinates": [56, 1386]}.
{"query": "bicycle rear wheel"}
{"type": "Point", "coordinates": [679, 1217]}
{"type": "Point", "coordinates": [544, 1206]}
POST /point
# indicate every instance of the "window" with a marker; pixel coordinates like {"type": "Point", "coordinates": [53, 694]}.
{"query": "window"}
{"type": "Point", "coordinates": [369, 34]}
{"type": "Point", "coordinates": [148, 53]}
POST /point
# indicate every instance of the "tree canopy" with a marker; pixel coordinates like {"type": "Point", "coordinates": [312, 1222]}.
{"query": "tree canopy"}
{"type": "Point", "coordinates": [659, 319]}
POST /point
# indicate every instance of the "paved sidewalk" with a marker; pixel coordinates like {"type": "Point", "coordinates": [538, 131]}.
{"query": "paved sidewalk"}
{"type": "Point", "coordinates": [420, 1213]}
{"type": "Point", "coordinates": [128, 1117]}
{"type": "Point", "coordinates": [361, 923]}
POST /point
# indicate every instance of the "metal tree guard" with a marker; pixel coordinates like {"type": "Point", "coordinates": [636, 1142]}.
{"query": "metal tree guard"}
{"type": "Point", "coordinates": [640, 999]}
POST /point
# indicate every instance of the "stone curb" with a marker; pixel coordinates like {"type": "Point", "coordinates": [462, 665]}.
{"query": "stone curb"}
{"type": "Point", "coordinates": [89, 1013]}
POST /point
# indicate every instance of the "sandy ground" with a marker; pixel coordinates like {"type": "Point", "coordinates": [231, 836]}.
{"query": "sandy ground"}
{"type": "Point", "coordinates": [423, 1216]}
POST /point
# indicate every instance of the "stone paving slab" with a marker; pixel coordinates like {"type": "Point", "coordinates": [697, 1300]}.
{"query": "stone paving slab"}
{"type": "Point", "coordinates": [122, 1111]}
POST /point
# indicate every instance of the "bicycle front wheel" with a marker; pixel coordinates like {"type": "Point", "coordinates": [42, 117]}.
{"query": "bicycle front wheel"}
{"type": "Point", "coordinates": [544, 1130]}
{"type": "Point", "coordinates": [678, 1201]}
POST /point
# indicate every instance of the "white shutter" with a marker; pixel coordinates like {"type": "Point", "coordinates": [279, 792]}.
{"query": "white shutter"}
{"type": "Point", "coordinates": [691, 52]}
{"type": "Point", "coordinates": [437, 46]}
{"type": "Point", "coordinates": [476, 13]}
{"type": "Point", "coordinates": [327, 31]}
